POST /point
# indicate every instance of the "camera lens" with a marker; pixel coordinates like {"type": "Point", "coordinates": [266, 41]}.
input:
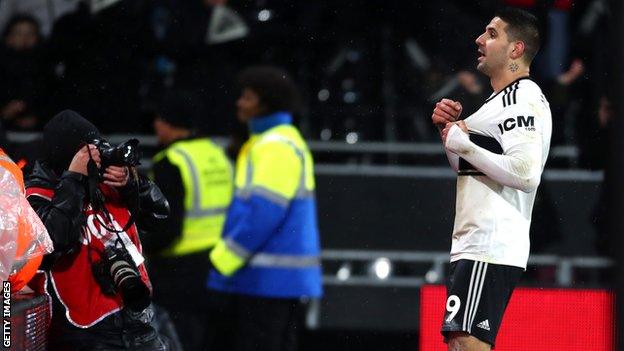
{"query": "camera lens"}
{"type": "Point", "coordinates": [136, 295]}
{"type": "Point", "coordinates": [122, 271]}
{"type": "Point", "coordinates": [125, 154]}
{"type": "Point", "coordinates": [127, 281]}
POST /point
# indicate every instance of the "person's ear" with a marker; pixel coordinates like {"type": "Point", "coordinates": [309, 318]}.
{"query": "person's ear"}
{"type": "Point", "coordinates": [517, 50]}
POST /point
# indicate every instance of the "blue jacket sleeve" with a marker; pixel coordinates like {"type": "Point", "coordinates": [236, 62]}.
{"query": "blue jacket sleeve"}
{"type": "Point", "coordinates": [259, 208]}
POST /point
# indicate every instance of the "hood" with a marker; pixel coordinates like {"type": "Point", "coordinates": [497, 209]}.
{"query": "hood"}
{"type": "Point", "coordinates": [63, 136]}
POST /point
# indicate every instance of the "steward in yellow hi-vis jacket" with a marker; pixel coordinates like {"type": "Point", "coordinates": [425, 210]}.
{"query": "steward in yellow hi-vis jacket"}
{"type": "Point", "coordinates": [267, 259]}
{"type": "Point", "coordinates": [206, 178]}
{"type": "Point", "coordinates": [196, 177]}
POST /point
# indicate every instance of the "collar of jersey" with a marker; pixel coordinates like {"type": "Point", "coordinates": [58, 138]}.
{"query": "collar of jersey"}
{"type": "Point", "coordinates": [508, 85]}
{"type": "Point", "coordinates": [263, 123]}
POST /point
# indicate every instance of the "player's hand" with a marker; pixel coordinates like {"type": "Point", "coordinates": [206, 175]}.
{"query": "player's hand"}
{"type": "Point", "coordinates": [447, 127]}
{"type": "Point", "coordinates": [116, 176]}
{"type": "Point", "coordinates": [81, 158]}
{"type": "Point", "coordinates": [446, 111]}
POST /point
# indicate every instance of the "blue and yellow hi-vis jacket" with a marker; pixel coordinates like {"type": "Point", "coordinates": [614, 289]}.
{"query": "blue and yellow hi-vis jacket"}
{"type": "Point", "coordinates": [270, 242]}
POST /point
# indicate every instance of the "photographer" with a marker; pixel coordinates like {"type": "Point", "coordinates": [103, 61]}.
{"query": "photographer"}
{"type": "Point", "coordinates": [100, 290]}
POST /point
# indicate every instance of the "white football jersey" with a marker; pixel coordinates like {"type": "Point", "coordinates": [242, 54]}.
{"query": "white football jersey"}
{"type": "Point", "coordinates": [492, 221]}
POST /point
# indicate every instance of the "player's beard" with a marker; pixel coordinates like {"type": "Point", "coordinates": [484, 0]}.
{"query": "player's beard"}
{"type": "Point", "coordinates": [490, 65]}
{"type": "Point", "coordinates": [484, 68]}
{"type": "Point", "coordinates": [482, 65]}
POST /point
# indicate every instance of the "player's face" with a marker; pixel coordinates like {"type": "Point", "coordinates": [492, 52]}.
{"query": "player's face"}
{"type": "Point", "coordinates": [493, 47]}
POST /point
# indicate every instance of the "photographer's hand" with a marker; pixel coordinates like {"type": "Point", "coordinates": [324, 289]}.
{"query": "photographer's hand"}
{"type": "Point", "coordinates": [81, 158]}
{"type": "Point", "coordinates": [116, 176]}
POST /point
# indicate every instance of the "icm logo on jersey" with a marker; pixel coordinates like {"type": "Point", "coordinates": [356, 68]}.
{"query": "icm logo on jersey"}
{"type": "Point", "coordinates": [527, 122]}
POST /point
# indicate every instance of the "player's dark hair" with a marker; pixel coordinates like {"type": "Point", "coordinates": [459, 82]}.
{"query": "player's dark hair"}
{"type": "Point", "coordinates": [522, 26]}
{"type": "Point", "coordinates": [275, 88]}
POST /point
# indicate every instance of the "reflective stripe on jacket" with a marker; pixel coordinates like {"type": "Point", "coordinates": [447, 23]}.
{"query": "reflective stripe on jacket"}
{"type": "Point", "coordinates": [270, 244]}
{"type": "Point", "coordinates": [206, 176]}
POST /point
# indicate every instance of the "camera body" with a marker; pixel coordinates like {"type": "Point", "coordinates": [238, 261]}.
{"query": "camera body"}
{"type": "Point", "coordinates": [117, 273]}
{"type": "Point", "coordinates": [124, 154]}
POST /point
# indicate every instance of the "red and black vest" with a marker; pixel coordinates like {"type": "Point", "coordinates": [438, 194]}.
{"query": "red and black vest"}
{"type": "Point", "coordinates": [71, 276]}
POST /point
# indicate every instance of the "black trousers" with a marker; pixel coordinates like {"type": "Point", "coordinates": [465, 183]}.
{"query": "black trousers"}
{"type": "Point", "coordinates": [180, 288]}
{"type": "Point", "coordinates": [122, 330]}
{"type": "Point", "coordinates": [246, 323]}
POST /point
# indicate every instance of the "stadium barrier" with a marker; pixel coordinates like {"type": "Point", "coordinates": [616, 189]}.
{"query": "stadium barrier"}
{"type": "Point", "coordinates": [383, 290]}
{"type": "Point", "coordinates": [26, 329]}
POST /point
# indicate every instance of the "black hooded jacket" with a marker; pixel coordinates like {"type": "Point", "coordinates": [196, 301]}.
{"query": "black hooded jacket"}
{"type": "Point", "coordinates": [63, 214]}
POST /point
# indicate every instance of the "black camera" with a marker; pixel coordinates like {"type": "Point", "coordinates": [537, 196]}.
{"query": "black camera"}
{"type": "Point", "coordinates": [124, 154]}
{"type": "Point", "coordinates": [116, 272]}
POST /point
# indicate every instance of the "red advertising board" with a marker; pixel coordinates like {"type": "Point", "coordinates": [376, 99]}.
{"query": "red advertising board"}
{"type": "Point", "coordinates": [536, 319]}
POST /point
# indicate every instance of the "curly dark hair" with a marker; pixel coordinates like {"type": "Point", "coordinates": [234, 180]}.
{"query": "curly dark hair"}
{"type": "Point", "coordinates": [276, 90]}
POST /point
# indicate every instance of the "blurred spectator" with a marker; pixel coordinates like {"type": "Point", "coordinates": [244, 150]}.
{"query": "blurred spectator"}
{"type": "Point", "coordinates": [24, 75]}
{"type": "Point", "coordinates": [430, 55]}
{"type": "Point", "coordinates": [196, 178]}
{"type": "Point", "coordinates": [594, 47]}
{"type": "Point", "coordinates": [599, 215]}
{"type": "Point", "coordinates": [100, 58]}
{"type": "Point", "coordinates": [563, 92]}
{"type": "Point", "coordinates": [203, 40]}
{"type": "Point", "coordinates": [568, 77]}
{"type": "Point", "coordinates": [470, 90]}
{"type": "Point", "coordinates": [44, 11]}
{"type": "Point", "coordinates": [605, 113]}
{"type": "Point", "coordinates": [555, 50]}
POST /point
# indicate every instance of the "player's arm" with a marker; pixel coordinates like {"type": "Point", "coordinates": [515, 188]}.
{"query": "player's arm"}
{"type": "Point", "coordinates": [452, 158]}
{"type": "Point", "coordinates": [446, 111]}
{"type": "Point", "coordinates": [520, 165]}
